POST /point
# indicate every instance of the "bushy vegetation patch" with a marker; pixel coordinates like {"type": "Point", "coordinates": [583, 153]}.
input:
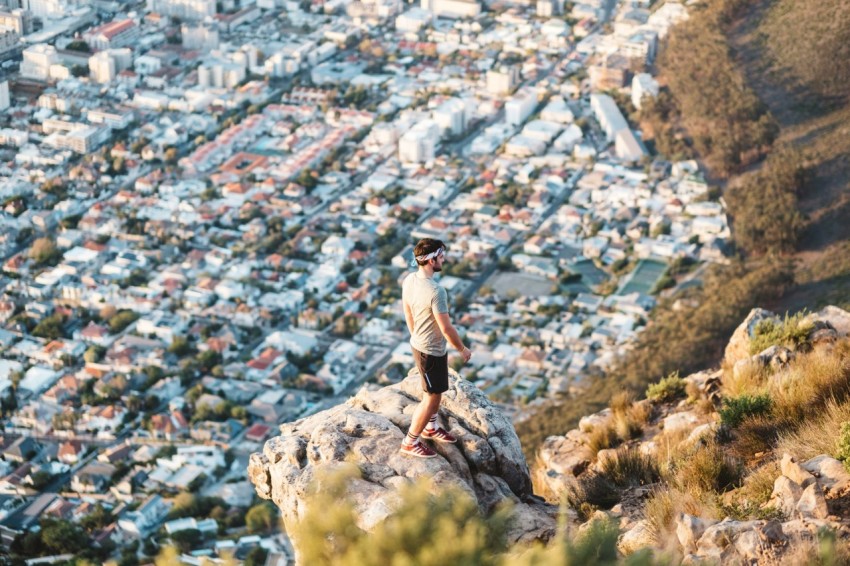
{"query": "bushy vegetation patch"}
{"type": "Point", "coordinates": [737, 409]}
{"type": "Point", "coordinates": [669, 388]}
{"type": "Point", "coordinates": [793, 332]}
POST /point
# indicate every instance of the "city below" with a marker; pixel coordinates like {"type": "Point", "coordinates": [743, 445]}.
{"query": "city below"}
{"type": "Point", "coordinates": [207, 208]}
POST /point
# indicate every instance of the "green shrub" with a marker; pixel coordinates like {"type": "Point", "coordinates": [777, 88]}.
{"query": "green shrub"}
{"type": "Point", "coordinates": [842, 448]}
{"type": "Point", "coordinates": [328, 533]}
{"type": "Point", "coordinates": [667, 389]}
{"type": "Point", "coordinates": [737, 409]}
{"type": "Point", "coordinates": [792, 332]}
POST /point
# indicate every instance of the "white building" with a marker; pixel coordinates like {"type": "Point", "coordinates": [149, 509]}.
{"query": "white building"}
{"type": "Point", "coordinates": [221, 74]}
{"type": "Point", "coordinates": [199, 37]}
{"type": "Point", "coordinates": [37, 61]}
{"type": "Point", "coordinates": [610, 119]}
{"type": "Point", "coordinates": [419, 144]}
{"type": "Point", "coordinates": [451, 116]}
{"type": "Point", "coordinates": [104, 66]}
{"type": "Point", "coordinates": [643, 85]}
{"type": "Point", "coordinates": [115, 34]}
{"type": "Point", "coordinates": [47, 9]}
{"type": "Point", "coordinates": [542, 130]}
{"type": "Point", "coordinates": [502, 80]}
{"type": "Point", "coordinates": [549, 8]}
{"type": "Point", "coordinates": [520, 106]}
{"type": "Point", "coordinates": [558, 111]}
{"type": "Point", "coordinates": [185, 9]}
{"type": "Point", "coordinates": [9, 136]}
{"type": "Point", "coordinates": [298, 341]}
{"type": "Point", "coordinates": [628, 147]}
{"type": "Point", "coordinates": [413, 20]}
{"type": "Point", "coordinates": [5, 101]}
{"type": "Point", "coordinates": [568, 140]}
{"type": "Point", "coordinates": [452, 8]}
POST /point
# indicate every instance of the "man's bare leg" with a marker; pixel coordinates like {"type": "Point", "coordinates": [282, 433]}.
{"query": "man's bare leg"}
{"type": "Point", "coordinates": [428, 406]}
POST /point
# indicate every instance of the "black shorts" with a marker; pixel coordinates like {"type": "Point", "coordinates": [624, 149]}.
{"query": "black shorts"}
{"type": "Point", "coordinates": [434, 371]}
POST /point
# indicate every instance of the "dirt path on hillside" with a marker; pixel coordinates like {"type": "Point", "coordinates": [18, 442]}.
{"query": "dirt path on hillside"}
{"type": "Point", "coordinates": [823, 135]}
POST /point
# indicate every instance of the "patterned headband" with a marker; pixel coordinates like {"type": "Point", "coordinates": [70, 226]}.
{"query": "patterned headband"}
{"type": "Point", "coordinates": [432, 255]}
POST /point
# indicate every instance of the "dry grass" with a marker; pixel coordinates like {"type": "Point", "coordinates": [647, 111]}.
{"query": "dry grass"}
{"type": "Point", "coordinates": [825, 550]}
{"type": "Point", "coordinates": [669, 446]}
{"type": "Point", "coordinates": [693, 392]}
{"type": "Point", "coordinates": [758, 485]}
{"type": "Point", "coordinates": [628, 467]}
{"type": "Point", "coordinates": [817, 435]}
{"type": "Point", "coordinates": [602, 437]}
{"type": "Point", "coordinates": [621, 402]}
{"type": "Point", "coordinates": [705, 406]}
{"type": "Point", "coordinates": [746, 502]}
{"type": "Point", "coordinates": [627, 416]}
{"type": "Point", "coordinates": [706, 470]}
{"type": "Point", "coordinates": [665, 504]}
{"type": "Point", "coordinates": [756, 435]}
{"type": "Point", "coordinates": [750, 380]}
{"type": "Point", "coordinates": [811, 380]}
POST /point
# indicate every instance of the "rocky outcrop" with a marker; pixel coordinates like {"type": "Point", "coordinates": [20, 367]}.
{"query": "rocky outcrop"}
{"type": "Point", "coordinates": [807, 495]}
{"type": "Point", "coordinates": [487, 462]}
{"type": "Point", "coordinates": [739, 345]}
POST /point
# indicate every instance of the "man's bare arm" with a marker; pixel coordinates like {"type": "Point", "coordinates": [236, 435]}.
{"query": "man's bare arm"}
{"type": "Point", "coordinates": [408, 317]}
{"type": "Point", "coordinates": [448, 330]}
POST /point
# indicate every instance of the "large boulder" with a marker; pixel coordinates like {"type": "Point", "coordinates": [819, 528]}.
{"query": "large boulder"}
{"type": "Point", "coordinates": [487, 462]}
{"type": "Point", "coordinates": [831, 475]}
{"type": "Point", "coordinates": [838, 319]}
{"type": "Point", "coordinates": [739, 345]}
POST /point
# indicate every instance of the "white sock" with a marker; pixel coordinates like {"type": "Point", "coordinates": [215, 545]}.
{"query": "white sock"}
{"type": "Point", "coordinates": [411, 439]}
{"type": "Point", "coordinates": [432, 422]}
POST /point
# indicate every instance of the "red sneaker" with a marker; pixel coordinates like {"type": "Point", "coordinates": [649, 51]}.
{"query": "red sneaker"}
{"type": "Point", "coordinates": [418, 450]}
{"type": "Point", "coordinates": [440, 435]}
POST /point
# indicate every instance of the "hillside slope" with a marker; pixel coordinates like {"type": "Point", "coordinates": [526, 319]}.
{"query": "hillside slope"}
{"type": "Point", "coordinates": [738, 465]}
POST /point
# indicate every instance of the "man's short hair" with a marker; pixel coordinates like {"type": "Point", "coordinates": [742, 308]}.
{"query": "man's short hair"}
{"type": "Point", "coordinates": [427, 246]}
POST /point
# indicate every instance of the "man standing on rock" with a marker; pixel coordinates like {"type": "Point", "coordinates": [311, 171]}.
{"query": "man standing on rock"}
{"type": "Point", "coordinates": [426, 311]}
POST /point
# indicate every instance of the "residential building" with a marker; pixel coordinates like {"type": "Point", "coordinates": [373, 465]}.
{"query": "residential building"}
{"type": "Point", "coordinates": [92, 478]}
{"type": "Point", "coordinates": [18, 21]}
{"type": "Point", "coordinates": [147, 518]}
{"type": "Point", "coordinates": [454, 9]}
{"type": "Point", "coordinates": [608, 115]}
{"type": "Point", "coordinates": [419, 144]}
{"type": "Point", "coordinates": [643, 85]}
{"type": "Point", "coordinates": [502, 80]}
{"type": "Point", "coordinates": [37, 61]}
{"type": "Point", "coordinates": [201, 37]}
{"type": "Point", "coordinates": [5, 101]}
{"type": "Point", "coordinates": [413, 20]}
{"type": "Point", "coordinates": [184, 9]}
{"type": "Point", "coordinates": [451, 116]}
{"type": "Point", "coordinates": [520, 106]}
{"type": "Point", "coordinates": [9, 40]}
{"type": "Point", "coordinates": [115, 34]}
{"type": "Point", "coordinates": [221, 74]}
